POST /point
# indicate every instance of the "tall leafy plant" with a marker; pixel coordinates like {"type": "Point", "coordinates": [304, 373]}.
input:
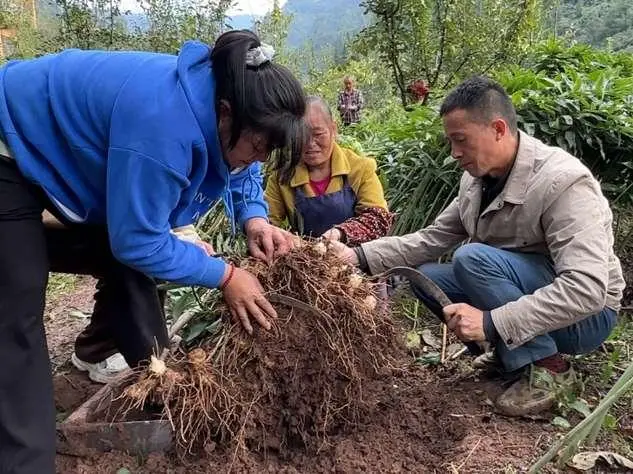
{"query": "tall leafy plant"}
{"type": "Point", "coordinates": [417, 172]}
{"type": "Point", "coordinates": [577, 98]}
{"type": "Point", "coordinates": [581, 100]}
{"type": "Point", "coordinates": [442, 41]}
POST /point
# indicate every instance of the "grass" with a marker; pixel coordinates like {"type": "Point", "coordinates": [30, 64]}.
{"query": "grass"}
{"type": "Point", "coordinates": [600, 370]}
{"type": "Point", "coordinates": [60, 284]}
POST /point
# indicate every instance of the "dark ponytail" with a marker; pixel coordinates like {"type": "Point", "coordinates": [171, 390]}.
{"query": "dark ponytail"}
{"type": "Point", "coordinates": [266, 99]}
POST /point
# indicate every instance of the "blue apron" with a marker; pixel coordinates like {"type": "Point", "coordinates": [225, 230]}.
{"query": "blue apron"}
{"type": "Point", "coordinates": [318, 214]}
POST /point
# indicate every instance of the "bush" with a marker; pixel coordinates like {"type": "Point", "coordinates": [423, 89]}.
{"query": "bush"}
{"type": "Point", "coordinates": [414, 164]}
{"type": "Point", "coordinates": [577, 98]}
{"type": "Point", "coordinates": [581, 100]}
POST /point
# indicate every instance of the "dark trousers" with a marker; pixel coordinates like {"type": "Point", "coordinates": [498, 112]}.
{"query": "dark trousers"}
{"type": "Point", "coordinates": [128, 313]}
{"type": "Point", "coordinates": [128, 308]}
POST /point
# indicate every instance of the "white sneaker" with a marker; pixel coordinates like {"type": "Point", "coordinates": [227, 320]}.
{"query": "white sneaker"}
{"type": "Point", "coordinates": [105, 371]}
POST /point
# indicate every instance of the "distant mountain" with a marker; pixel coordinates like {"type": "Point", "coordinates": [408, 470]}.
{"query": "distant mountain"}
{"type": "Point", "coordinates": [601, 23]}
{"type": "Point", "coordinates": [241, 22]}
{"type": "Point", "coordinates": [136, 21]}
{"type": "Point", "coordinates": [323, 22]}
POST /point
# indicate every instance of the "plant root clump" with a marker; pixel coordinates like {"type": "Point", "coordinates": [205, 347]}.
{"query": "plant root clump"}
{"type": "Point", "coordinates": [290, 387]}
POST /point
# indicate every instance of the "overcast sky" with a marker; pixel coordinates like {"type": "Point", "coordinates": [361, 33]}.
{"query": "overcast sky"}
{"type": "Point", "coordinates": [253, 7]}
{"type": "Point", "coordinates": [242, 7]}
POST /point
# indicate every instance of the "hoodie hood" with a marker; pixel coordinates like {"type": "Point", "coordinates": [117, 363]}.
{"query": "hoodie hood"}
{"type": "Point", "coordinates": [196, 77]}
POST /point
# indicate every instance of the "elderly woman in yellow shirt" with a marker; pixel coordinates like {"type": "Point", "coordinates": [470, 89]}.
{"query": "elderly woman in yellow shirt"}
{"type": "Point", "coordinates": [333, 192]}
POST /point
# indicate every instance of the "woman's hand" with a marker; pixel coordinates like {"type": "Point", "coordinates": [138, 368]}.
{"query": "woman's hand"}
{"type": "Point", "coordinates": [265, 241]}
{"type": "Point", "coordinates": [245, 298]}
{"type": "Point", "coordinates": [333, 234]}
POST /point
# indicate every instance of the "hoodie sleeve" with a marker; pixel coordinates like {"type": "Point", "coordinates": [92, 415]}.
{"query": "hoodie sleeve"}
{"type": "Point", "coordinates": [247, 193]}
{"type": "Point", "coordinates": [141, 193]}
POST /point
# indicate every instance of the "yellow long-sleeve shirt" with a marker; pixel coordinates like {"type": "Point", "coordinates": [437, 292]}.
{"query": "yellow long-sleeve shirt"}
{"type": "Point", "coordinates": [359, 171]}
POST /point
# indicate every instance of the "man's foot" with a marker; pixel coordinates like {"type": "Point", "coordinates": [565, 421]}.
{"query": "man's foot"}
{"type": "Point", "coordinates": [487, 361]}
{"type": "Point", "coordinates": [102, 372]}
{"type": "Point", "coordinates": [535, 392]}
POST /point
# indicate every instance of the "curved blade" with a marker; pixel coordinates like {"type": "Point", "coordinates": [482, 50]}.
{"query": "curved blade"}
{"type": "Point", "coordinates": [295, 303]}
{"type": "Point", "coordinates": [421, 281]}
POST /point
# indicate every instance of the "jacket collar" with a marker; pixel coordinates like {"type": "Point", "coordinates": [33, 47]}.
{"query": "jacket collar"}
{"type": "Point", "coordinates": [515, 189]}
{"type": "Point", "coordinates": [338, 161]}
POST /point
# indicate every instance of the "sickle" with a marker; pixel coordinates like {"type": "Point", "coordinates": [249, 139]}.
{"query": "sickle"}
{"type": "Point", "coordinates": [420, 280]}
{"type": "Point", "coordinates": [296, 304]}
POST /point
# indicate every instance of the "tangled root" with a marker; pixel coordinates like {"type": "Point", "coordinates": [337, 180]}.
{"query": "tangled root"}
{"type": "Point", "coordinates": [290, 385]}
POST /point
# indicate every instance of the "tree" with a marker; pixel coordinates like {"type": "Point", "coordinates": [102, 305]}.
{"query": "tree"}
{"type": "Point", "coordinates": [90, 24]}
{"type": "Point", "coordinates": [602, 23]}
{"type": "Point", "coordinates": [273, 29]}
{"type": "Point", "coordinates": [171, 22]}
{"type": "Point", "coordinates": [442, 41]}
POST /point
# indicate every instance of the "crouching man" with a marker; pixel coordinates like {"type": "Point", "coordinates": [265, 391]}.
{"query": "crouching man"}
{"type": "Point", "coordinates": [537, 276]}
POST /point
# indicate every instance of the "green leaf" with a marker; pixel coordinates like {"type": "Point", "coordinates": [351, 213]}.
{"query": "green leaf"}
{"type": "Point", "coordinates": [610, 422]}
{"type": "Point", "coordinates": [412, 340]}
{"type": "Point", "coordinates": [544, 377]}
{"type": "Point", "coordinates": [124, 470]}
{"type": "Point", "coordinates": [561, 422]}
{"type": "Point", "coordinates": [581, 406]}
{"type": "Point", "coordinates": [195, 330]}
{"type": "Point", "coordinates": [432, 358]}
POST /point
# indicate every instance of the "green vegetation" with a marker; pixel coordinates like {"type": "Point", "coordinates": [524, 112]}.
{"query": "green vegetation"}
{"type": "Point", "coordinates": [567, 64]}
{"type": "Point", "coordinates": [602, 23]}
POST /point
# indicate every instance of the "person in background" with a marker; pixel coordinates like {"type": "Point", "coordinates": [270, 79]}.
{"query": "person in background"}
{"type": "Point", "coordinates": [419, 91]}
{"type": "Point", "coordinates": [122, 148]}
{"type": "Point", "coordinates": [538, 277]}
{"type": "Point", "coordinates": [350, 102]}
{"type": "Point", "coordinates": [332, 192]}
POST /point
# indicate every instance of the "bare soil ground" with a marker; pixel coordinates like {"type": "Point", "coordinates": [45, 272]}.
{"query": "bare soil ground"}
{"type": "Point", "coordinates": [428, 419]}
{"type": "Point", "coordinates": [425, 420]}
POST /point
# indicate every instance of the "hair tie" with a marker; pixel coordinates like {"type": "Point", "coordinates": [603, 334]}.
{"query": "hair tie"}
{"type": "Point", "coordinates": [263, 53]}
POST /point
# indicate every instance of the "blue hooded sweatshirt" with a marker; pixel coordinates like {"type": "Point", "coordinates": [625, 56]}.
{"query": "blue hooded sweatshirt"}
{"type": "Point", "coordinates": [129, 140]}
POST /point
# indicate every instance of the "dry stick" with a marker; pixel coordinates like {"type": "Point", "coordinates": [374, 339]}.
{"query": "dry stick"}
{"type": "Point", "coordinates": [182, 320]}
{"type": "Point", "coordinates": [469, 454]}
{"type": "Point", "coordinates": [444, 338]}
{"type": "Point", "coordinates": [458, 353]}
{"type": "Point", "coordinates": [175, 328]}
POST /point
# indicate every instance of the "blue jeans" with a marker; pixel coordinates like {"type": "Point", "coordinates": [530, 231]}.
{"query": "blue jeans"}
{"type": "Point", "coordinates": [486, 278]}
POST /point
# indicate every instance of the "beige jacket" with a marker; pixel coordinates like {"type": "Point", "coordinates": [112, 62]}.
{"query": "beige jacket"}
{"type": "Point", "coordinates": [551, 204]}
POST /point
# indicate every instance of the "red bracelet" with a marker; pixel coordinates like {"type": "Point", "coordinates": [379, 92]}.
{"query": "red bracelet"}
{"type": "Point", "coordinates": [228, 278]}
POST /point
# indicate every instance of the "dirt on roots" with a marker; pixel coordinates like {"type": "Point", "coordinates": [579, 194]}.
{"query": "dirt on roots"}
{"type": "Point", "coordinates": [287, 388]}
{"type": "Point", "coordinates": [420, 420]}
{"type": "Point", "coordinates": [330, 388]}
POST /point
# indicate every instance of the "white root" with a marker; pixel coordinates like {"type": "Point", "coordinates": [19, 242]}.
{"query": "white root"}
{"type": "Point", "coordinates": [157, 366]}
{"type": "Point", "coordinates": [320, 248]}
{"type": "Point", "coordinates": [355, 280]}
{"type": "Point", "coordinates": [370, 302]}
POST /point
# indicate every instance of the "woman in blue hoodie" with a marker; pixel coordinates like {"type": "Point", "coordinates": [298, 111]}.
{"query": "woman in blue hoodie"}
{"type": "Point", "coordinates": [126, 146]}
